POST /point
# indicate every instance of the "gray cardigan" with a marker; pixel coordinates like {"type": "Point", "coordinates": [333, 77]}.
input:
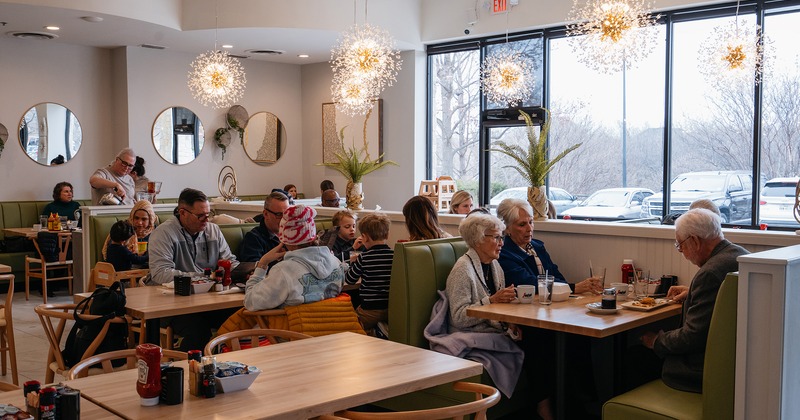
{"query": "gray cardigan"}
{"type": "Point", "coordinates": [465, 289]}
{"type": "Point", "coordinates": [683, 349]}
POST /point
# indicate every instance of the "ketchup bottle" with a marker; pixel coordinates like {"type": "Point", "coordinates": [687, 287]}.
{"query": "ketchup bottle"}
{"type": "Point", "coordinates": [226, 265]}
{"type": "Point", "coordinates": [148, 384]}
{"type": "Point", "coordinates": [627, 271]}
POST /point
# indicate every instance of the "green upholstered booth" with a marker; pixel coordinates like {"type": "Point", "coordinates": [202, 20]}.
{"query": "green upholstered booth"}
{"type": "Point", "coordinates": [655, 400]}
{"type": "Point", "coordinates": [419, 270]}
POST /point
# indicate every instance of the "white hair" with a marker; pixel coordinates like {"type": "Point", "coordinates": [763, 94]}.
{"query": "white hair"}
{"type": "Point", "coordinates": [475, 226]}
{"type": "Point", "coordinates": [508, 210]}
{"type": "Point", "coordinates": [701, 223]}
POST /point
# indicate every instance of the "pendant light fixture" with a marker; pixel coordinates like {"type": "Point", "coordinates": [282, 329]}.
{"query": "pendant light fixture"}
{"type": "Point", "coordinates": [733, 53]}
{"type": "Point", "coordinates": [608, 35]}
{"type": "Point", "coordinates": [216, 78]}
{"type": "Point", "coordinates": [507, 75]}
{"type": "Point", "coordinates": [364, 62]}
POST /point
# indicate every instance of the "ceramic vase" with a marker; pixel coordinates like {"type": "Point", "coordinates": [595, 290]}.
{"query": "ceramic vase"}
{"type": "Point", "coordinates": [537, 197]}
{"type": "Point", "coordinates": [355, 196]}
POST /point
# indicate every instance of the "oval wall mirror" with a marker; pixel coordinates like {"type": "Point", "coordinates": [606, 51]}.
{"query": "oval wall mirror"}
{"type": "Point", "coordinates": [178, 135]}
{"type": "Point", "coordinates": [3, 137]}
{"type": "Point", "coordinates": [264, 138]}
{"type": "Point", "coordinates": [50, 134]}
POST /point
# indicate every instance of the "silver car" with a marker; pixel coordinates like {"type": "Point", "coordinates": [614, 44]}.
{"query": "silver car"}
{"type": "Point", "coordinates": [560, 198]}
{"type": "Point", "coordinates": [611, 204]}
{"type": "Point", "coordinates": [777, 202]}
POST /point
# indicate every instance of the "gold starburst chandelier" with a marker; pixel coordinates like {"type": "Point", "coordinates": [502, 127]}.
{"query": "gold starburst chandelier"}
{"type": "Point", "coordinates": [215, 78]}
{"type": "Point", "coordinates": [364, 62]}
{"type": "Point", "coordinates": [609, 35]}
{"type": "Point", "coordinates": [507, 77]}
{"type": "Point", "coordinates": [734, 52]}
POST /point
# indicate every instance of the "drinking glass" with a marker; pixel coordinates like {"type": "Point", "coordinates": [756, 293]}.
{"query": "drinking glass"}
{"type": "Point", "coordinates": [545, 289]}
{"type": "Point", "coordinates": [640, 287]}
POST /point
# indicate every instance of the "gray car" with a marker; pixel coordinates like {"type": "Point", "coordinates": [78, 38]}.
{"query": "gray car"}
{"type": "Point", "coordinates": [560, 198]}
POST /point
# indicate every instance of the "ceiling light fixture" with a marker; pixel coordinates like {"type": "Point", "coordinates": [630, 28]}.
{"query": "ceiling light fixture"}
{"type": "Point", "coordinates": [734, 52]}
{"type": "Point", "coordinates": [302, 55]}
{"type": "Point", "coordinates": [364, 62]}
{"type": "Point", "coordinates": [216, 78]}
{"type": "Point", "coordinates": [227, 46]}
{"type": "Point", "coordinates": [609, 35]}
{"type": "Point", "coordinates": [52, 28]}
{"type": "Point", "coordinates": [507, 75]}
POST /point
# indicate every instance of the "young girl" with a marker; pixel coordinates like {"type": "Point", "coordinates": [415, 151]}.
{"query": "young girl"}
{"type": "Point", "coordinates": [118, 254]}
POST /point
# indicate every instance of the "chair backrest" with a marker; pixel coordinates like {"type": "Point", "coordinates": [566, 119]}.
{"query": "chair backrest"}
{"type": "Point", "coordinates": [419, 269]}
{"type": "Point", "coordinates": [485, 397]}
{"type": "Point", "coordinates": [82, 368]}
{"type": "Point", "coordinates": [233, 340]}
{"type": "Point", "coordinates": [6, 307]}
{"type": "Point", "coordinates": [719, 366]}
{"type": "Point", "coordinates": [54, 319]}
{"type": "Point", "coordinates": [53, 247]}
{"type": "Point", "coordinates": [103, 274]}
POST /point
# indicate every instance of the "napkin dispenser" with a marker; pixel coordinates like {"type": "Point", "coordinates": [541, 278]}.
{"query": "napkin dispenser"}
{"type": "Point", "coordinates": [561, 292]}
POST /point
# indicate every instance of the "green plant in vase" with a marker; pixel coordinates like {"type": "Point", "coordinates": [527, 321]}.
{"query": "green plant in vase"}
{"type": "Point", "coordinates": [533, 163]}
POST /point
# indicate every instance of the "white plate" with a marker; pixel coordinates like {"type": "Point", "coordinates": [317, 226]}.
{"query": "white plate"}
{"type": "Point", "coordinates": [598, 309]}
{"type": "Point", "coordinates": [634, 305]}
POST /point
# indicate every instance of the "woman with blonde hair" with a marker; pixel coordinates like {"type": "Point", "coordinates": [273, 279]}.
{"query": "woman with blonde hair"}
{"type": "Point", "coordinates": [144, 220]}
{"type": "Point", "coordinates": [461, 203]}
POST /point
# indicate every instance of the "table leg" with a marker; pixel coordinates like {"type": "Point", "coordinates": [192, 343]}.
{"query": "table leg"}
{"type": "Point", "coordinates": [561, 349]}
{"type": "Point", "coordinates": [153, 331]}
{"type": "Point", "coordinates": [606, 361]}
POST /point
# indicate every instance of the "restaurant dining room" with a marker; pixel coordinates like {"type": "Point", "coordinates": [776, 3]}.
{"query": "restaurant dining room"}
{"type": "Point", "coordinates": [408, 209]}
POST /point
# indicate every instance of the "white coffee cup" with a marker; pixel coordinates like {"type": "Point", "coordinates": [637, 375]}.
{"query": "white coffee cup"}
{"type": "Point", "coordinates": [525, 293]}
{"type": "Point", "coordinates": [37, 227]}
{"type": "Point", "coordinates": [622, 290]}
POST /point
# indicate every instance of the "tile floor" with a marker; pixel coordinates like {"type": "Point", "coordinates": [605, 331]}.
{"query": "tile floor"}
{"type": "Point", "coordinates": [30, 340]}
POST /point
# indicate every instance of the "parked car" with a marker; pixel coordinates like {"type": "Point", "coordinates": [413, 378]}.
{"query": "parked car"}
{"type": "Point", "coordinates": [611, 204]}
{"type": "Point", "coordinates": [777, 202]}
{"type": "Point", "coordinates": [560, 197]}
{"type": "Point", "coordinates": [731, 191]}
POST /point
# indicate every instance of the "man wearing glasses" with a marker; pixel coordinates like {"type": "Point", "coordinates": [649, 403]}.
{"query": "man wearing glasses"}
{"type": "Point", "coordinates": [263, 239]}
{"type": "Point", "coordinates": [330, 198]}
{"type": "Point", "coordinates": [184, 246]}
{"type": "Point", "coordinates": [115, 179]}
{"type": "Point", "coordinates": [699, 238]}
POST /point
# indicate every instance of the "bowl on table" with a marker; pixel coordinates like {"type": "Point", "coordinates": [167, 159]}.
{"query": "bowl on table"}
{"type": "Point", "coordinates": [201, 286]}
{"type": "Point", "coordinates": [237, 382]}
{"type": "Point", "coordinates": [561, 292]}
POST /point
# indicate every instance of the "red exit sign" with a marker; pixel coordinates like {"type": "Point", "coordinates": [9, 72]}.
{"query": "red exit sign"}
{"type": "Point", "coordinates": [500, 6]}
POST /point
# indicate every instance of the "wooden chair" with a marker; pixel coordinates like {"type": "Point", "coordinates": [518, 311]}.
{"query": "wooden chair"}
{"type": "Point", "coordinates": [84, 367]}
{"type": "Point", "coordinates": [39, 267]}
{"type": "Point", "coordinates": [233, 339]}
{"type": "Point", "coordinates": [136, 326]}
{"type": "Point", "coordinates": [103, 274]}
{"type": "Point", "coordinates": [485, 397]}
{"type": "Point", "coordinates": [7, 344]}
{"type": "Point", "coordinates": [54, 319]}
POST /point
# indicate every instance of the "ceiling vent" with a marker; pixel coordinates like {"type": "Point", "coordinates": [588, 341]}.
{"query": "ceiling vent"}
{"type": "Point", "coordinates": [153, 46]}
{"type": "Point", "coordinates": [241, 57]}
{"type": "Point", "coordinates": [265, 52]}
{"type": "Point", "coordinates": [33, 35]}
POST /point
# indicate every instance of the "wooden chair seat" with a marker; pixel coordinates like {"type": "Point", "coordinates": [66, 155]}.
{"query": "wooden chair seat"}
{"type": "Point", "coordinates": [485, 397]}
{"type": "Point", "coordinates": [40, 268]}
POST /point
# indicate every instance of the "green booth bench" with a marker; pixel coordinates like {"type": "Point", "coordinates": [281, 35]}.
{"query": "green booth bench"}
{"type": "Point", "coordinates": [419, 270]}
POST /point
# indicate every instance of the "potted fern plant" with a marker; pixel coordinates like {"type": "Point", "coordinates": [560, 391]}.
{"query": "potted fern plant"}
{"type": "Point", "coordinates": [533, 163]}
{"type": "Point", "coordinates": [354, 164]}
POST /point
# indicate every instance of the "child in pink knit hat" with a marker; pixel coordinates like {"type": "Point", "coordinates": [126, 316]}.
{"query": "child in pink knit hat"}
{"type": "Point", "coordinates": [308, 272]}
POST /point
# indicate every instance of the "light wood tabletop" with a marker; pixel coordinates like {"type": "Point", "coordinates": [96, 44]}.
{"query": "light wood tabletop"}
{"type": "Point", "coordinates": [29, 232]}
{"type": "Point", "coordinates": [89, 410]}
{"type": "Point", "coordinates": [571, 316]}
{"type": "Point", "coordinates": [299, 380]}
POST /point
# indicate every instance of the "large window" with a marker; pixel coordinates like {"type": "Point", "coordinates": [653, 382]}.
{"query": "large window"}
{"type": "Point", "coordinates": [725, 140]}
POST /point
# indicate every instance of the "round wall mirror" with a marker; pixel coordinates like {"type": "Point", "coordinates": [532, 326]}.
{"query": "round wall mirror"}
{"type": "Point", "coordinates": [3, 137]}
{"type": "Point", "coordinates": [264, 138]}
{"type": "Point", "coordinates": [178, 135]}
{"type": "Point", "coordinates": [50, 134]}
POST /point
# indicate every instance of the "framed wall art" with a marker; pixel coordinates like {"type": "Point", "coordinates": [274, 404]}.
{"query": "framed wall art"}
{"type": "Point", "coordinates": [333, 122]}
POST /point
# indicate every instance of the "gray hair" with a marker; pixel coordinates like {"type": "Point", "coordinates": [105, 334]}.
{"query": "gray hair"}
{"type": "Point", "coordinates": [126, 152]}
{"type": "Point", "coordinates": [705, 203]}
{"type": "Point", "coordinates": [700, 223]}
{"type": "Point", "coordinates": [508, 210]}
{"type": "Point", "coordinates": [475, 226]}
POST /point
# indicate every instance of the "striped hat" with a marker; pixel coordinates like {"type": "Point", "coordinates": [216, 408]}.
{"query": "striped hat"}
{"type": "Point", "coordinates": [297, 225]}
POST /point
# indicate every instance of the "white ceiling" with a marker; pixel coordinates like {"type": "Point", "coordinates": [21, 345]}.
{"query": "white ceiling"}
{"type": "Point", "coordinates": [157, 27]}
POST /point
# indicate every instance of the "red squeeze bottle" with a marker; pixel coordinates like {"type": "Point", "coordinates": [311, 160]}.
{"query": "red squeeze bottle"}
{"type": "Point", "coordinates": [226, 265]}
{"type": "Point", "coordinates": [148, 383]}
{"type": "Point", "coordinates": [627, 271]}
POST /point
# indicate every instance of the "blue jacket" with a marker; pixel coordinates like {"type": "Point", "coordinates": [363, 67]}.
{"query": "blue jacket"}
{"type": "Point", "coordinates": [520, 268]}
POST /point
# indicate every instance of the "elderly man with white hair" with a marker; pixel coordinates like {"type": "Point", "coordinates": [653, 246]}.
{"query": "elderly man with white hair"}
{"type": "Point", "coordinates": [116, 179]}
{"type": "Point", "coordinates": [698, 236]}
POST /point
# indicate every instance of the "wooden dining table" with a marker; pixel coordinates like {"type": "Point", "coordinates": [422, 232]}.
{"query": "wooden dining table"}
{"type": "Point", "coordinates": [29, 232]}
{"type": "Point", "coordinates": [151, 303]}
{"type": "Point", "coordinates": [572, 317]}
{"type": "Point", "coordinates": [89, 410]}
{"type": "Point", "coordinates": [298, 380]}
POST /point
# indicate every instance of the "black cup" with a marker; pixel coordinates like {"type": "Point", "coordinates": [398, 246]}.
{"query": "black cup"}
{"type": "Point", "coordinates": [172, 385]}
{"type": "Point", "coordinates": [667, 281]}
{"type": "Point", "coordinates": [183, 286]}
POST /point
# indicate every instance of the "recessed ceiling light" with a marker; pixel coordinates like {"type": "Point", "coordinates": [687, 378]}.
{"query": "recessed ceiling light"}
{"type": "Point", "coordinates": [52, 28]}
{"type": "Point", "coordinates": [93, 19]}
{"type": "Point", "coordinates": [227, 46]}
{"type": "Point", "coordinates": [302, 55]}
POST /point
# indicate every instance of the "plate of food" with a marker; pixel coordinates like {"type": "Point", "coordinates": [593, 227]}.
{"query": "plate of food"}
{"type": "Point", "coordinates": [597, 308]}
{"type": "Point", "coordinates": [646, 304]}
